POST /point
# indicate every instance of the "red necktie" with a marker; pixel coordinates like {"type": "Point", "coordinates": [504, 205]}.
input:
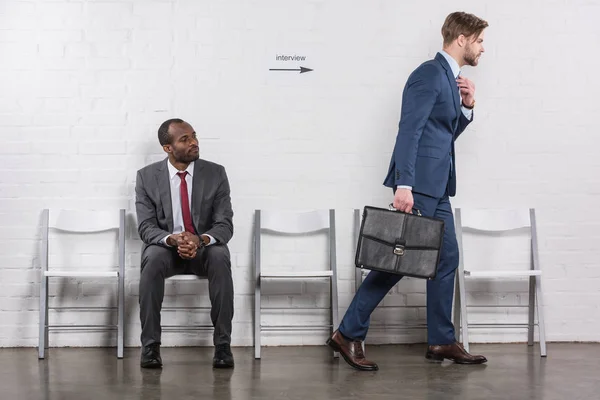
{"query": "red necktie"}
{"type": "Point", "coordinates": [185, 204]}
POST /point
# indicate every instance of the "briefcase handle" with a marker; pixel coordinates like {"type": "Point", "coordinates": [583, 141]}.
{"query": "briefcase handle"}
{"type": "Point", "coordinates": [418, 212]}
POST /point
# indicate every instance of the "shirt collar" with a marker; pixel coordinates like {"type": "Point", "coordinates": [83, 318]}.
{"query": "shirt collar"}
{"type": "Point", "coordinates": [173, 171]}
{"type": "Point", "coordinates": [452, 62]}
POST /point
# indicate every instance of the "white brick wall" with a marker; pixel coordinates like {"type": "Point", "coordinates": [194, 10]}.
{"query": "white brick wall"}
{"type": "Point", "coordinates": [84, 86]}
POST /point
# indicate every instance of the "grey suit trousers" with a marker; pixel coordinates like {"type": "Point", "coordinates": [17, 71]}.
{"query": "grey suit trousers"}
{"type": "Point", "coordinates": [159, 263]}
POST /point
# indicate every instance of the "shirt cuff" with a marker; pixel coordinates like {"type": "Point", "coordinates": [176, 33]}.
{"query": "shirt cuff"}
{"type": "Point", "coordinates": [212, 240]}
{"type": "Point", "coordinates": [466, 112]}
{"type": "Point", "coordinates": [404, 187]}
{"type": "Point", "coordinates": [164, 241]}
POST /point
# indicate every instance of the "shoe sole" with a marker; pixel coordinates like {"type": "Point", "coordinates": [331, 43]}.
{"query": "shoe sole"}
{"type": "Point", "coordinates": [434, 359]}
{"type": "Point", "coordinates": [335, 347]}
{"type": "Point", "coordinates": [151, 366]}
{"type": "Point", "coordinates": [438, 359]}
{"type": "Point", "coordinates": [222, 366]}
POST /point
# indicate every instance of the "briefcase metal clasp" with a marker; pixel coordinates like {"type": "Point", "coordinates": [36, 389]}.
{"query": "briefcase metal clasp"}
{"type": "Point", "coordinates": [399, 250]}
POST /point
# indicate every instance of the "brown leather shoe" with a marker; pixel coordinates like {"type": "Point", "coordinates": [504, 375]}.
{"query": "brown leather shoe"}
{"type": "Point", "coordinates": [454, 352]}
{"type": "Point", "coordinates": [352, 352]}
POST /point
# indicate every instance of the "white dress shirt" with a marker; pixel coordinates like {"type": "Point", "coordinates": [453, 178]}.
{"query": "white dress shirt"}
{"type": "Point", "coordinates": [455, 72]}
{"type": "Point", "coordinates": [175, 181]}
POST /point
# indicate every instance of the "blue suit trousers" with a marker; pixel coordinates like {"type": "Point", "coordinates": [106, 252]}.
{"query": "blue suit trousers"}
{"type": "Point", "coordinates": [440, 291]}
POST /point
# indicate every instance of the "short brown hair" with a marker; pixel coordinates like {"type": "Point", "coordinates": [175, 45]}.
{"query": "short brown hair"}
{"type": "Point", "coordinates": [461, 23]}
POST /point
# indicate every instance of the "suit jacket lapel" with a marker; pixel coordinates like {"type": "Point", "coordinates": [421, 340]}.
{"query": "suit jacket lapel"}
{"type": "Point", "coordinates": [453, 86]}
{"type": "Point", "coordinates": [197, 192]}
{"type": "Point", "coordinates": [164, 188]}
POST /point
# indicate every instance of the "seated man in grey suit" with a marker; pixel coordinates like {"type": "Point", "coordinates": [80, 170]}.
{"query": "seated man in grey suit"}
{"type": "Point", "coordinates": [185, 221]}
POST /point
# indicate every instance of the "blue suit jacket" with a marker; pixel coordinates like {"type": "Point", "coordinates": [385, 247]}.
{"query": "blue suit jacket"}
{"type": "Point", "coordinates": [431, 119]}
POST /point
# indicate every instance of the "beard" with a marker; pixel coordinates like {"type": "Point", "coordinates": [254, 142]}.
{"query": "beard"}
{"type": "Point", "coordinates": [186, 156]}
{"type": "Point", "coordinates": [470, 57]}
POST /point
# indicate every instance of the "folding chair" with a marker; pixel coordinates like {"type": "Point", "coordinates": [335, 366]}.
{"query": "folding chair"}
{"type": "Point", "coordinates": [499, 221]}
{"type": "Point", "coordinates": [188, 327]}
{"type": "Point", "coordinates": [177, 279]}
{"type": "Point", "coordinates": [294, 223]}
{"type": "Point", "coordinates": [81, 222]}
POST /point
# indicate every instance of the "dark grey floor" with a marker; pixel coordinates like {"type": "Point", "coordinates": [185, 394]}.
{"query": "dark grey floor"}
{"type": "Point", "coordinates": [571, 371]}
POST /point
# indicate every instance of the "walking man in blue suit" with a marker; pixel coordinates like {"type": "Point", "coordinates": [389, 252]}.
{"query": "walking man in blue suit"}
{"type": "Point", "coordinates": [437, 106]}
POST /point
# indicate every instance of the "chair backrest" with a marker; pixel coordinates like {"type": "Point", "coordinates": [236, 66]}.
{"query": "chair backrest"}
{"type": "Point", "coordinates": [498, 221]}
{"type": "Point", "coordinates": [494, 220]}
{"type": "Point", "coordinates": [295, 223]}
{"type": "Point", "coordinates": [83, 221]}
{"type": "Point", "coordinates": [80, 221]}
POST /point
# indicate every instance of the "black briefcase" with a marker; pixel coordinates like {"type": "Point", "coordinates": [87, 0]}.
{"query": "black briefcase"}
{"type": "Point", "coordinates": [399, 243]}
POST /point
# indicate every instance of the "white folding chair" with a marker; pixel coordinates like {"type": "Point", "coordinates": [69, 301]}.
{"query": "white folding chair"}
{"type": "Point", "coordinates": [361, 273]}
{"type": "Point", "coordinates": [499, 221]}
{"type": "Point", "coordinates": [82, 222]}
{"type": "Point", "coordinates": [188, 327]}
{"type": "Point", "coordinates": [295, 223]}
{"type": "Point", "coordinates": [177, 279]}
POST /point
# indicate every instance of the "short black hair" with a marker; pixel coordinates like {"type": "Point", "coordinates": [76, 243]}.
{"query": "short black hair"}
{"type": "Point", "coordinates": [163, 132]}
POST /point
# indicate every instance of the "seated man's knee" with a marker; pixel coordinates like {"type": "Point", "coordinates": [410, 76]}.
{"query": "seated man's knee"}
{"type": "Point", "coordinates": [155, 260]}
{"type": "Point", "coordinates": [218, 261]}
{"type": "Point", "coordinates": [218, 254]}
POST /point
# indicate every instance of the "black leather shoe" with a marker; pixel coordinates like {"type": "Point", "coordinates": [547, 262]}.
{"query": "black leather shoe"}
{"type": "Point", "coordinates": [151, 356]}
{"type": "Point", "coordinates": [223, 357]}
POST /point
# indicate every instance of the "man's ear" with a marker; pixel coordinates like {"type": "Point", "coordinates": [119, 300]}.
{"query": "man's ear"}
{"type": "Point", "coordinates": [167, 148]}
{"type": "Point", "coordinates": [461, 40]}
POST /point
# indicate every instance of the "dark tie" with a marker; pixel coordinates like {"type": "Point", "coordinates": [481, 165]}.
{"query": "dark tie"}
{"type": "Point", "coordinates": [185, 204]}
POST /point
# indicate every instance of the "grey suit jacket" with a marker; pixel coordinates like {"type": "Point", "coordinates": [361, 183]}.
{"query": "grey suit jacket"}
{"type": "Point", "coordinates": [210, 208]}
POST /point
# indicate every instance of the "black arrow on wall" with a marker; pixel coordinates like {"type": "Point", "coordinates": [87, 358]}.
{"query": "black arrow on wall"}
{"type": "Point", "coordinates": [301, 69]}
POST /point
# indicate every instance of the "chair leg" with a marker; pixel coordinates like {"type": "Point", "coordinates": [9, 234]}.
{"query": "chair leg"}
{"type": "Point", "coordinates": [121, 286]}
{"type": "Point", "coordinates": [43, 324]}
{"type": "Point", "coordinates": [257, 319]}
{"type": "Point", "coordinates": [531, 309]}
{"type": "Point", "coordinates": [540, 309]}
{"type": "Point", "coordinates": [334, 310]}
{"type": "Point", "coordinates": [357, 278]}
{"type": "Point", "coordinates": [463, 310]}
{"type": "Point", "coordinates": [462, 295]}
{"type": "Point", "coordinates": [47, 323]}
{"type": "Point", "coordinates": [456, 316]}
{"type": "Point", "coordinates": [121, 316]}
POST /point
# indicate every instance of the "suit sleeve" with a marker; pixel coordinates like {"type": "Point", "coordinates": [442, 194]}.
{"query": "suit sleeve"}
{"type": "Point", "coordinates": [222, 226]}
{"type": "Point", "coordinates": [148, 228]}
{"type": "Point", "coordinates": [420, 95]}
{"type": "Point", "coordinates": [463, 121]}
